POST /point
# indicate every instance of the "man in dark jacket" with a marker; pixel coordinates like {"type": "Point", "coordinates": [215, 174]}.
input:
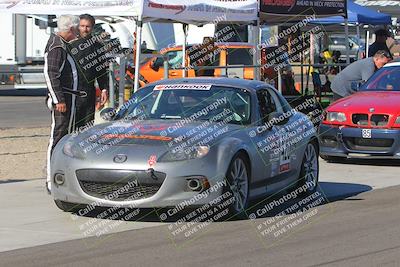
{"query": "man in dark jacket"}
{"type": "Point", "coordinates": [380, 43]}
{"type": "Point", "coordinates": [90, 55]}
{"type": "Point", "coordinates": [61, 76]}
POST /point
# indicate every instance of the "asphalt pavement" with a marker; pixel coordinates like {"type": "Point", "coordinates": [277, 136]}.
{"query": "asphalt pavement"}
{"type": "Point", "coordinates": [32, 219]}
{"type": "Point", "coordinates": [356, 225]}
{"type": "Point", "coordinates": [23, 111]}
{"type": "Point", "coordinates": [358, 231]}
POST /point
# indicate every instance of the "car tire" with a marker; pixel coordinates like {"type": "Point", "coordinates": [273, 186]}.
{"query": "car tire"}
{"type": "Point", "coordinates": [237, 178]}
{"type": "Point", "coordinates": [309, 172]}
{"type": "Point", "coordinates": [66, 206]}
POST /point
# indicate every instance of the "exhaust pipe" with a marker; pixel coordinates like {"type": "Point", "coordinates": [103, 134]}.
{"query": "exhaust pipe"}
{"type": "Point", "coordinates": [194, 185]}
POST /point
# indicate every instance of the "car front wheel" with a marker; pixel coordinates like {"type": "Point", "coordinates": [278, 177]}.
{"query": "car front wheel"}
{"type": "Point", "coordinates": [238, 184]}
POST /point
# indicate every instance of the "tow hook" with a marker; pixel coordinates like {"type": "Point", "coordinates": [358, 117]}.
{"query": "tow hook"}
{"type": "Point", "coordinates": [152, 174]}
{"type": "Point", "coordinates": [339, 136]}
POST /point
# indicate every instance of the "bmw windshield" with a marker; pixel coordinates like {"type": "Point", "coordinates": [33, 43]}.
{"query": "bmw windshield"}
{"type": "Point", "coordinates": [385, 79]}
{"type": "Point", "coordinates": [188, 101]}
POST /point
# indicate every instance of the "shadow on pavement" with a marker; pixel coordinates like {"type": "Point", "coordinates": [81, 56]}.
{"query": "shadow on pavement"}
{"type": "Point", "coordinates": [9, 181]}
{"type": "Point", "coordinates": [23, 92]}
{"type": "Point", "coordinates": [328, 192]}
{"type": "Point", "coordinates": [373, 162]}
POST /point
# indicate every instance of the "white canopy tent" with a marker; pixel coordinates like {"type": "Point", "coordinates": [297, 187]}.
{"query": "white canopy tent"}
{"type": "Point", "coordinates": [189, 12]}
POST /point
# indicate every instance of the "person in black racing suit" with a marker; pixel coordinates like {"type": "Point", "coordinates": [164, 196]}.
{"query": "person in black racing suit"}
{"type": "Point", "coordinates": [90, 56]}
{"type": "Point", "coordinates": [61, 78]}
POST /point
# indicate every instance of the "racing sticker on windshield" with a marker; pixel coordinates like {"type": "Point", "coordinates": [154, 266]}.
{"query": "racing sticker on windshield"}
{"type": "Point", "coordinates": [152, 161]}
{"type": "Point", "coordinates": [204, 87]}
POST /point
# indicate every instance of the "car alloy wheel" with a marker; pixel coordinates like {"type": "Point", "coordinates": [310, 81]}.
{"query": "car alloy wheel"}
{"type": "Point", "coordinates": [309, 169]}
{"type": "Point", "coordinates": [238, 184]}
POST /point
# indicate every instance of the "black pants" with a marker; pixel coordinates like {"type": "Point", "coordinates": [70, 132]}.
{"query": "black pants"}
{"type": "Point", "coordinates": [85, 109]}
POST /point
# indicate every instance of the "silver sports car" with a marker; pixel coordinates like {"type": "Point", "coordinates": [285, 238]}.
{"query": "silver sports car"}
{"type": "Point", "coordinates": [187, 142]}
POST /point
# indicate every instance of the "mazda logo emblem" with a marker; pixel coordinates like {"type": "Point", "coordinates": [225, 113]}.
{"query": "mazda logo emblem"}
{"type": "Point", "coordinates": [371, 110]}
{"type": "Point", "coordinates": [120, 158]}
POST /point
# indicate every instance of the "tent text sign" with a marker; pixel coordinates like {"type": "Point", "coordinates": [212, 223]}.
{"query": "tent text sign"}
{"type": "Point", "coordinates": [74, 7]}
{"type": "Point", "coordinates": [303, 7]}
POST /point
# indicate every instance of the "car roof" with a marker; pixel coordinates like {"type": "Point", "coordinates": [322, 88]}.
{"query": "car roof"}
{"type": "Point", "coordinates": [221, 81]}
{"type": "Point", "coordinates": [394, 63]}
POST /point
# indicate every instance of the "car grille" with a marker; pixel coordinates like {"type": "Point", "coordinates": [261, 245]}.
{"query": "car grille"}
{"type": "Point", "coordinates": [120, 185]}
{"type": "Point", "coordinates": [118, 192]}
{"type": "Point", "coordinates": [360, 119]}
{"type": "Point", "coordinates": [364, 144]}
{"type": "Point", "coordinates": [375, 120]}
{"type": "Point", "coordinates": [379, 120]}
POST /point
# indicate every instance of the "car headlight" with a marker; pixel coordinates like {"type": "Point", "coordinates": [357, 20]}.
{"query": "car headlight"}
{"type": "Point", "coordinates": [195, 152]}
{"type": "Point", "coordinates": [336, 116]}
{"type": "Point", "coordinates": [397, 120]}
{"type": "Point", "coordinates": [71, 149]}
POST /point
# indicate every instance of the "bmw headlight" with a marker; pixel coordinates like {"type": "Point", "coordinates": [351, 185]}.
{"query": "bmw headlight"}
{"type": "Point", "coordinates": [71, 149]}
{"type": "Point", "coordinates": [336, 116]}
{"type": "Point", "coordinates": [397, 120]}
{"type": "Point", "coordinates": [194, 152]}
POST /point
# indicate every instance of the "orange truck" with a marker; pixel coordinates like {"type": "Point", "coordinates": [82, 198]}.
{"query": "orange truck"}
{"type": "Point", "coordinates": [217, 54]}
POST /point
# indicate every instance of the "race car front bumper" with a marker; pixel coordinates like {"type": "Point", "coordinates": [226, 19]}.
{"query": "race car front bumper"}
{"type": "Point", "coordinates": [359, 143]}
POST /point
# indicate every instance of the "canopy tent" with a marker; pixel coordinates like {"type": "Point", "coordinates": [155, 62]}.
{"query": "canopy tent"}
{"type": "Point", "coordinates": [194, 12]}
{"type": "Point", "coordinates": [358, 14]}
{"type": "Point", "coordinates": [389, 7]}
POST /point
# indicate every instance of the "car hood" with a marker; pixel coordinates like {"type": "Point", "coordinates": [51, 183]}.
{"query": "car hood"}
{"type": "Point", "coordinates": [165, 133]}
{"type": "Point", "coordinates": [361, 102]}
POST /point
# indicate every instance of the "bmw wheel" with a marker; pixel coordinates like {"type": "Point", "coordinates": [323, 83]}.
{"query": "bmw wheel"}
{"type": "Point", "coordinates": [238, 184]}
{"type": "Point", "coordinates": [309, 169]}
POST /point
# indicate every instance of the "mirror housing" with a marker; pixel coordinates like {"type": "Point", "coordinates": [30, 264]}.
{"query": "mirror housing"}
{"type": "Point", "coordinates": [157, 63]}
{"type": "Point", "coordinates": [108, 114]}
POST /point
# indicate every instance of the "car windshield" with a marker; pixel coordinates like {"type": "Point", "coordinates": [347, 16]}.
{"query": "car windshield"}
{"type": "Point", "coordinates": [385, 79]}
{"type": "Point", "coordinates": [192, 102]}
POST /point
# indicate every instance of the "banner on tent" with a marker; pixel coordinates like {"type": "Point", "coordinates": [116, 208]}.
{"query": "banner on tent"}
{"type": "Point", "coordinates": [205, 11]}
{"type": "Point", "coordinates": [193, 11]}
{"type": "Point", "coordinates": [75, 7]}
{"type": "Point", "coordinates": [304, 7]}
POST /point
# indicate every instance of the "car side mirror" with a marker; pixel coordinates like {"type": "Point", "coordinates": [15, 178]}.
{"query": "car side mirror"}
{"type": "Point", "coordinates": [108, 114]}
{"type": "Point", "coordinates": [157, 63]}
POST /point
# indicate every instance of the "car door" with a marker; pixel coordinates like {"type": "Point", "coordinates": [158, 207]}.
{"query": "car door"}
{"type": "Point", "coordinates": [280, 149]}
{"type": "Point", "coordinates": [265, 139]}
{"type": "Point", "coordinates": [287, 131]}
